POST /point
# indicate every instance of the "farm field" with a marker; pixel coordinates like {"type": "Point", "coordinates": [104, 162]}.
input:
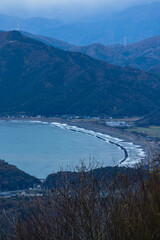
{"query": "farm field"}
{"type": "Point", "coordinates": [152, 131]}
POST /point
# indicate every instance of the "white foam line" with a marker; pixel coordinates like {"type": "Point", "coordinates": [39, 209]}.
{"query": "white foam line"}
{"type": "Point", "coordinates": [129, 162]}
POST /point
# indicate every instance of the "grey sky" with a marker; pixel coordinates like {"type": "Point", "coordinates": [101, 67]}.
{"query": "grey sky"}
{"type": "Point", "coordinates": [40, 3]}
{"type": "Point", "coordinates": [47, 7]}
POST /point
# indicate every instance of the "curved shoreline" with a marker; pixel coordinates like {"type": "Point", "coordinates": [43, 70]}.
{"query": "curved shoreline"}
{"type": "Point", "coordinates": [125, 146]}
{"type": "Point", "coordinates": [118, 145]}
{"type": "Point", "coordinates": [125, 161]}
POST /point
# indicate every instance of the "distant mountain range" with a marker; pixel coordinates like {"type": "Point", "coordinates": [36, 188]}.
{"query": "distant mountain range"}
{"type": "Point", "coordinates": [136, 23]}
{"type": "Point", "coordinates": [34, 24]}
{"type": "Point", "coordinates": [144, 55]}
{"type": "Point", "coordinates": [40, 79]}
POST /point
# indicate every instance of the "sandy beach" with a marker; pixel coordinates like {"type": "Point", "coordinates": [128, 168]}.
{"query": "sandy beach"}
{"type": "Point", "coordinates": [98, 126]}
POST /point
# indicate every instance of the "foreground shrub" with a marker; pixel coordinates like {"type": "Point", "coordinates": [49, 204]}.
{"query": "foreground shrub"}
{"type": "Point", "coordinates": [91, 209]}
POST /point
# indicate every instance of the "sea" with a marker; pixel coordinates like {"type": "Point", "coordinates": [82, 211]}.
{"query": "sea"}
{"type": "Point", "coordinates": [41, 148]}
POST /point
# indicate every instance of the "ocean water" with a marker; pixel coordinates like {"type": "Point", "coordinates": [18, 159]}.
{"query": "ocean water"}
{"type": "Point", "coordinates": [41, 149]}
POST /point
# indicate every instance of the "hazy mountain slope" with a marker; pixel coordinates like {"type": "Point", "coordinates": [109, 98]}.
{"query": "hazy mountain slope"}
{"type": "Point", "coordinates": [143, 55]}
{"type": "Point", "coordinates": [136, 23]}
{"type": "Point", "coordinates": [39, 79]}
{"type": "Point", "coordinates": [50, 41]}
{"type": "Point", "coordinates": [36, 24]}
{"type": "Point", "coordinates": [7, 22]}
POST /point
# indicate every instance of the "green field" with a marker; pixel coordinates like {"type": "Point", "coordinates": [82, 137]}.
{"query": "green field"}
{"type": "Point", "coordinates": [152, 131]}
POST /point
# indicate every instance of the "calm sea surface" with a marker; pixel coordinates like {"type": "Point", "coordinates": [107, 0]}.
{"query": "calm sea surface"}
{"type": "Point", "coordinates": [41, 149]}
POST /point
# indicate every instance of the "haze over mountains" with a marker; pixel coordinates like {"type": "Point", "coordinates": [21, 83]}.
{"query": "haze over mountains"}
{"type": "Point", "coordinates": [136, 23]}
{"type": "Point", "coordinates": [40, 79]}
{"type": "Point", "coordinates": [30, 24]}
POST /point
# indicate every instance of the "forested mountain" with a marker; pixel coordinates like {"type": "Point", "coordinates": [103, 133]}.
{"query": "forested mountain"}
{"type": "Point", "coordinates": [156, 69]}
{"type": "Point", "coordinates": [51, 41]}
{"type": "Point", "coordinates": [143, 55]}
{"type": "Point", "coordinates": [151, 119]}
{"type": "Point", "coordinates": [40, 79]}
{"type": "Point", "coordinates": [11, 178]}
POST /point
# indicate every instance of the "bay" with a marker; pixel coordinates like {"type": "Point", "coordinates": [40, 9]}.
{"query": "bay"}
{"type": "Point", "coordinates": [41, 149]}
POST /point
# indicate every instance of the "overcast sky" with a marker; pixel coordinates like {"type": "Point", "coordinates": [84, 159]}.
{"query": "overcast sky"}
{"type": "Point", "coordinates": [48, 7]}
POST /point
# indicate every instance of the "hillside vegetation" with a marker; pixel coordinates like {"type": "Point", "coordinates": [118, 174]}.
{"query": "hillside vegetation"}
{"type": "Point", "coordinates": [152, 119]}
{"type": "Point", "coordinates": [11, 178]}
{"type": "Point", "coordinates": [126, 208]}
{"type": "Point", "coordinates": [40, 79]}
{"type": "Point", "coordinates": [144, 55]}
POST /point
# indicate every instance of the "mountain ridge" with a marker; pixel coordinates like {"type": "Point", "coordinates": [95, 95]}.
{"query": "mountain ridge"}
{"type": "Point", "coordinates": [136, 23]}
{"type": "Point", "coordinates": [144, 55]}
{"type": "Point", "coordinates": [40, 79]}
